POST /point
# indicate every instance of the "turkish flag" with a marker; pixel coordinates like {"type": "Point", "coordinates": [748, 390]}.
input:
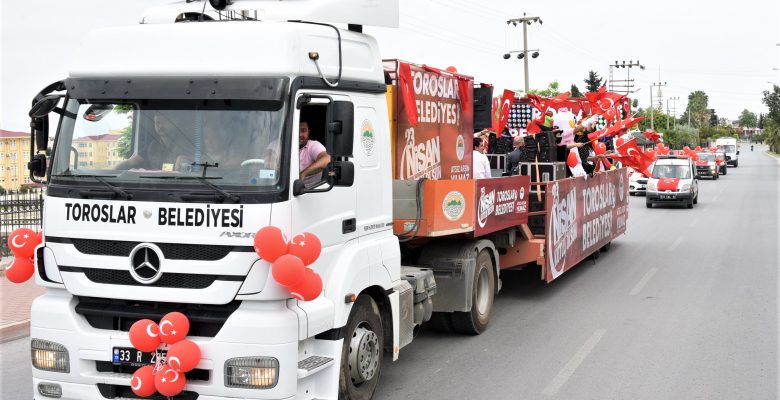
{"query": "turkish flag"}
{"type": "Point", "coordinates": [506, 104]}
{"type": "Point", "coordinates": [651, 135]}
{"type": "Point", "coordinates": [406, 84]}
{"type": "Point", "coordinates": [668, 184]}
{"type": "Point", "coordinates": [632, 155]}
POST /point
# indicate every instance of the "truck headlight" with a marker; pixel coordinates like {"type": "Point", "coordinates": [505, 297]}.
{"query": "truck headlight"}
{"type": "Point", "coordinates": [685, 187]}
{"type": "Point", "coordinates": [52, 390]}
{"type": "Point", "coordinates": [252, 372]}
{"type": "Point", "coordinates": [49, 356]}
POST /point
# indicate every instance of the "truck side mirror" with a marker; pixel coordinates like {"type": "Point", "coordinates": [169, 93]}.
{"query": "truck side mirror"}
{"type": "Point", "coordinates": [341, 127]}
{"type": "Point", "coordinates": [44, 106]}
{"type": "Point", "coordinates": [37, 165]}
{"type": "Point", "coordinates": [40, 130]}
{"type": "Point", "coordinates": [343, 173]}
{"type": "Point", "coordinates": [737, 152]}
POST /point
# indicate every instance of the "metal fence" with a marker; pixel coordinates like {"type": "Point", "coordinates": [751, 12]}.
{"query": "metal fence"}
{"type": "Point", "coordinates": [19, 210]}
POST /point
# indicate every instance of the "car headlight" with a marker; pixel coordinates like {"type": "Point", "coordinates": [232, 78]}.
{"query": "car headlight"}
{"type": "Point", "coordinates": [651, 185]}
{"type": "Point", "coordinates": [712, 168]}
{"type": "Point", "coordinates": [49, 356]}
{"type": "Point", "coordinates": [252, 372]}
{"type": "Point", "coordinates": [685, 187]}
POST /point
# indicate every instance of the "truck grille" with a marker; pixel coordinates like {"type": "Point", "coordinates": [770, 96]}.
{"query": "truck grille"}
{"type": "Point", "coordinates": [169, 280]}
{"type": "Point", "coordinates": [172, 251]}
{"type": "Point", "coordinates": [206, 320]}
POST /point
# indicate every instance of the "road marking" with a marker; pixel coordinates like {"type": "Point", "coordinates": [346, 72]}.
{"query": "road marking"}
{"type": "Point", "coordinates": [693, 223]}
{"type": "Point", "coordinates": [676, 243]}
{"type": "Point", "coordinates": [641, 284]}
{"type": "Point", "coordinates": [568, 370]}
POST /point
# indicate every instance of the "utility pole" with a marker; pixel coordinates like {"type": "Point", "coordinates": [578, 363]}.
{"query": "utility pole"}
{"type": "Point", "coordinates": [525, 21]}
{"type": "Point", "coordinates": [674, 111]}
{"type": "Point", "coordinates": [652, 107]}
{"type": "Point", "coordinates": [626, 84]}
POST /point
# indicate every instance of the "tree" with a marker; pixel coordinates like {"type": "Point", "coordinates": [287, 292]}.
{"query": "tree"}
{"type": "Point", "coordinates": [747, 119]}
{"type": "Point", "coordinates": [760, 121]}
{"type": "Point", "coordinates": [2, 191]}
{"type": "Point", "coordinates": [550, 91]}
{"type": "Point", "coordinates": [593, 81]}
{"type": "Point", "coordinates": [713, 117]}
{"type": "Point", "coordinates": [772, 120]}
{"type": "Point", "coordinates": [124, 144]}
{"type": "Point", "coordinates": [697, 109]}
{"type": "Point", "coordinates": [575, 91]}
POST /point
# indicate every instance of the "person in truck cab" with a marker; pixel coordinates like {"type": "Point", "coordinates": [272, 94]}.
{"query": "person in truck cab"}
{"type": "Point", "coordinates": [163, 145]}
{"type": "Point", "coordinates": [313, 157]}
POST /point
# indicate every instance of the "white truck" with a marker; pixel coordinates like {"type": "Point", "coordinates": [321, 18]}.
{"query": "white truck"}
{"type": "Point", "coordinates": [730, 147]}
{"type": "Point", "coordinates": [175, 144]}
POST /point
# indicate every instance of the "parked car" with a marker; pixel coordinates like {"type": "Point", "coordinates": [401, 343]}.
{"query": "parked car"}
{"type": "Point", "coordinates": [673, 181]}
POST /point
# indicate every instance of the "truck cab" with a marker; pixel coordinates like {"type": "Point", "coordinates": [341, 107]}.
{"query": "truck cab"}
{"type": "Point", "coordinates": [673, 181]}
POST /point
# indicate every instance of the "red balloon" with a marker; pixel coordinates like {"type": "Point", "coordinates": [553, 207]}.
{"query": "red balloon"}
{"type": "Point", "coordinates": [310, 288]}
{"type": "Point", "coordinates": [20, 269]}
{"type": "Point", "coordinates": [306, 246]}
{"type": "Point", "coordinates": [600, 148]}
{"type": "Point", "coordinates": [22, 242]}
{"type": "Point", "coordinates": [169, 382]}
{"type": "Point", "coordinates": [452, 69]}
{"type": "Point", "coordinates": [686, 149]}
{"type": "Point", "coordinates": [145, 335]}
{"type": "Point", "coordinates": [698, 148]}
{"type": "Point", "coordinates": [572, 160]}
{"type": "Point", "coordinates": [619, 142]}
{"type": "Point", "coordinates": [40, 237]}
{"type": "Point", "coordinates": [174, 326]}
{"type": "Point", "coordinates": [183, 356]}
{"type": "Point", "coordinates": [288, 270]}
{"type": "Point", "coordinates": [142, 383]}
{"type": "Point", "coordinates": [270, 243]}
{"type": "Point", "coordinates": [593, 136]}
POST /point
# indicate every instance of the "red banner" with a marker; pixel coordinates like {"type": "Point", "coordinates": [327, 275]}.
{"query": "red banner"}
{"type": "Point", "coordinates": [501, 203]}
{"type": "Point", "coordinates": [584, 215]}
{"type": "Point", "coordinates": [440, 144]}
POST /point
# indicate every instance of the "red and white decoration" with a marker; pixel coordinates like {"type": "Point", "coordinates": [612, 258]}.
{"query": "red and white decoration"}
{"type": "Point", "coordinates": [22, 243]}
{"type": "Point", "coordinates": [290, 261]}
{"type": "Point", "coordinates": [167, 376]}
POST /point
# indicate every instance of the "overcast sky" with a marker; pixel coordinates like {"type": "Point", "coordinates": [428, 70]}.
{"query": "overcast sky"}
{"type": "Point", "coordinates": [727, 49]}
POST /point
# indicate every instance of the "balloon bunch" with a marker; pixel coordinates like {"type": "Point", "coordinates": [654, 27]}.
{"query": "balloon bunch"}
{"type": "Point", "coordinates": [289, 261]}
{"type": "Point", "coordinates": [167, 376]}
{"type": "Point", "coordinates": [713, 149]}
{"type": "Point", "coordinates": [690, 153]}
{"type": "Point", "coordinates": [662, 149]}
{"type": "Point", "coordinates": [22, 243]}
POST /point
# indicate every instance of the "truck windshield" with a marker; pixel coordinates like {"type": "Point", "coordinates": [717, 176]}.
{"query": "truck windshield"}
{"type": "Point", "coordinates": [145, 141]}
{"type": "Point", "coordinates": [672, 171]}
{"type": "Point", "coordinates": [728, 148]}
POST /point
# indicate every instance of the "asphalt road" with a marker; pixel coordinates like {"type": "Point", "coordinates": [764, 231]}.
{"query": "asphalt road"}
{"type": "Point", "coordinates": [684, 306]}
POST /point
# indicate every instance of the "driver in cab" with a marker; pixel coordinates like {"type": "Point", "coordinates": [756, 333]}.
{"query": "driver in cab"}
{"type": "Point", "coordinates": [313, 158]}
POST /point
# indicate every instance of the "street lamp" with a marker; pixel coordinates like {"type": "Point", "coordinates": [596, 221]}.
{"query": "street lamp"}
{"type": "Point", "coordinates": [628, 86]}
{"type": "Point", "coordinates": [525, 21]}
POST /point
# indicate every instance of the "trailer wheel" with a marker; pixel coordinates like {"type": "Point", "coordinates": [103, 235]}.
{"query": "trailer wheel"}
{"type": "Point", "coordinates": [361, 355]}
{"type": "Point", "coordinates": [483, 292]}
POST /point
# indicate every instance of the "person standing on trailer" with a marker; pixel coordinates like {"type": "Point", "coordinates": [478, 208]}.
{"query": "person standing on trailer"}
{"type": "Point", "coordinates": [481, 163]}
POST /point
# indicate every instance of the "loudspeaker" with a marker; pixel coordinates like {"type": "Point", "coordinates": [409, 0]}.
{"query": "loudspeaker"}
{"type": "Point", "coordinates": [483, 108]}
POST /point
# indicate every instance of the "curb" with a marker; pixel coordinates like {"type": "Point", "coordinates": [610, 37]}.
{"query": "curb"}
{"type": "Point", "coordinates": [14, 331]}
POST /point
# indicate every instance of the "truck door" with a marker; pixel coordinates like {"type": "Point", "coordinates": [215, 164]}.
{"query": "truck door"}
{"type": "Point", "coordinates": [330, 215]}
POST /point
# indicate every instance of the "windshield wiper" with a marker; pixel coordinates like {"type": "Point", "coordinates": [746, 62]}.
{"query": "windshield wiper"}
{"type": "Point", "coordinates": [99, 178]}
{"type": "Point", "coordinates": [203, 179]}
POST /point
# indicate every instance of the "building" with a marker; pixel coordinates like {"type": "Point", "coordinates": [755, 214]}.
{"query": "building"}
{"type": "Point", "coordinates": [14, 156]}
{"type": "Point", "coordinates": [98, 151]}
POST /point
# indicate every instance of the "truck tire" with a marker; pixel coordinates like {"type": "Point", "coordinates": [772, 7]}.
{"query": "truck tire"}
{"type": "Point", "coordinates": [648, 204]}
{"type": "Point", "coordinates": [362, 352]}
{"type": "Point", "coordinates": [483, 292]}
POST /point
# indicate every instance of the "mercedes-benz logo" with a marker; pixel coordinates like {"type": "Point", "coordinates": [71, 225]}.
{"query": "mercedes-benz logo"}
{"type": "Point", "coordinates": [145, 264]}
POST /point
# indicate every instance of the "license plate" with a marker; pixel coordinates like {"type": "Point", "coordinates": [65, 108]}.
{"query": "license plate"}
{"type": "Point", "coordinates": [667, 197]}
{"type": "Point", "coordinates": [134, 357]}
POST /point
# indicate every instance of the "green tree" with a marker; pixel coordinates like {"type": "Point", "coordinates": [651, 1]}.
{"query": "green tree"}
{"type": "Point", "coordinates": [593, 81]}
{"type": "Point", "coordinates": [760, 121]}
{"type": "Point", "coordinates": [747, 119]}
{"type": "Point", "coordinates": [575, 91]}
{"type": "Point", "coordinates": [551, 90]}
{"type": "Point", "coordinates": [772, 120]}
{"type": "Point", "coordinates": [697, 109]}
{"type": "Point", "coordinates": [2, 190]}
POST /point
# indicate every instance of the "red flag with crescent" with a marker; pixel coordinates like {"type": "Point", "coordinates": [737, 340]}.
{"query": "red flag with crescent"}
{"type": "Point", "coordinates": [406, 84]}
{"type": "Point", "coordinates": [506, 105]}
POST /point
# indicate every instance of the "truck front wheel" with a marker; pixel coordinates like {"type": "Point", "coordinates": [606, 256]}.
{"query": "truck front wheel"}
{"type": "Point", "coordinates": [483, 292]}
{"type": "Point", "coordinates": [361, 355]}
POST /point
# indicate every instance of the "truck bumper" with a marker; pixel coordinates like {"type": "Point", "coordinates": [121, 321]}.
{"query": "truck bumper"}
{"type": "Point", "coordinates": [267, 329]}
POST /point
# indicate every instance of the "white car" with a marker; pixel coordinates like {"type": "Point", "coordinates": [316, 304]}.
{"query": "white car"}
{"type": "Point", "coordinates": [673, 181]}
{"type": "Point", "coordinates": [637, 184]}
